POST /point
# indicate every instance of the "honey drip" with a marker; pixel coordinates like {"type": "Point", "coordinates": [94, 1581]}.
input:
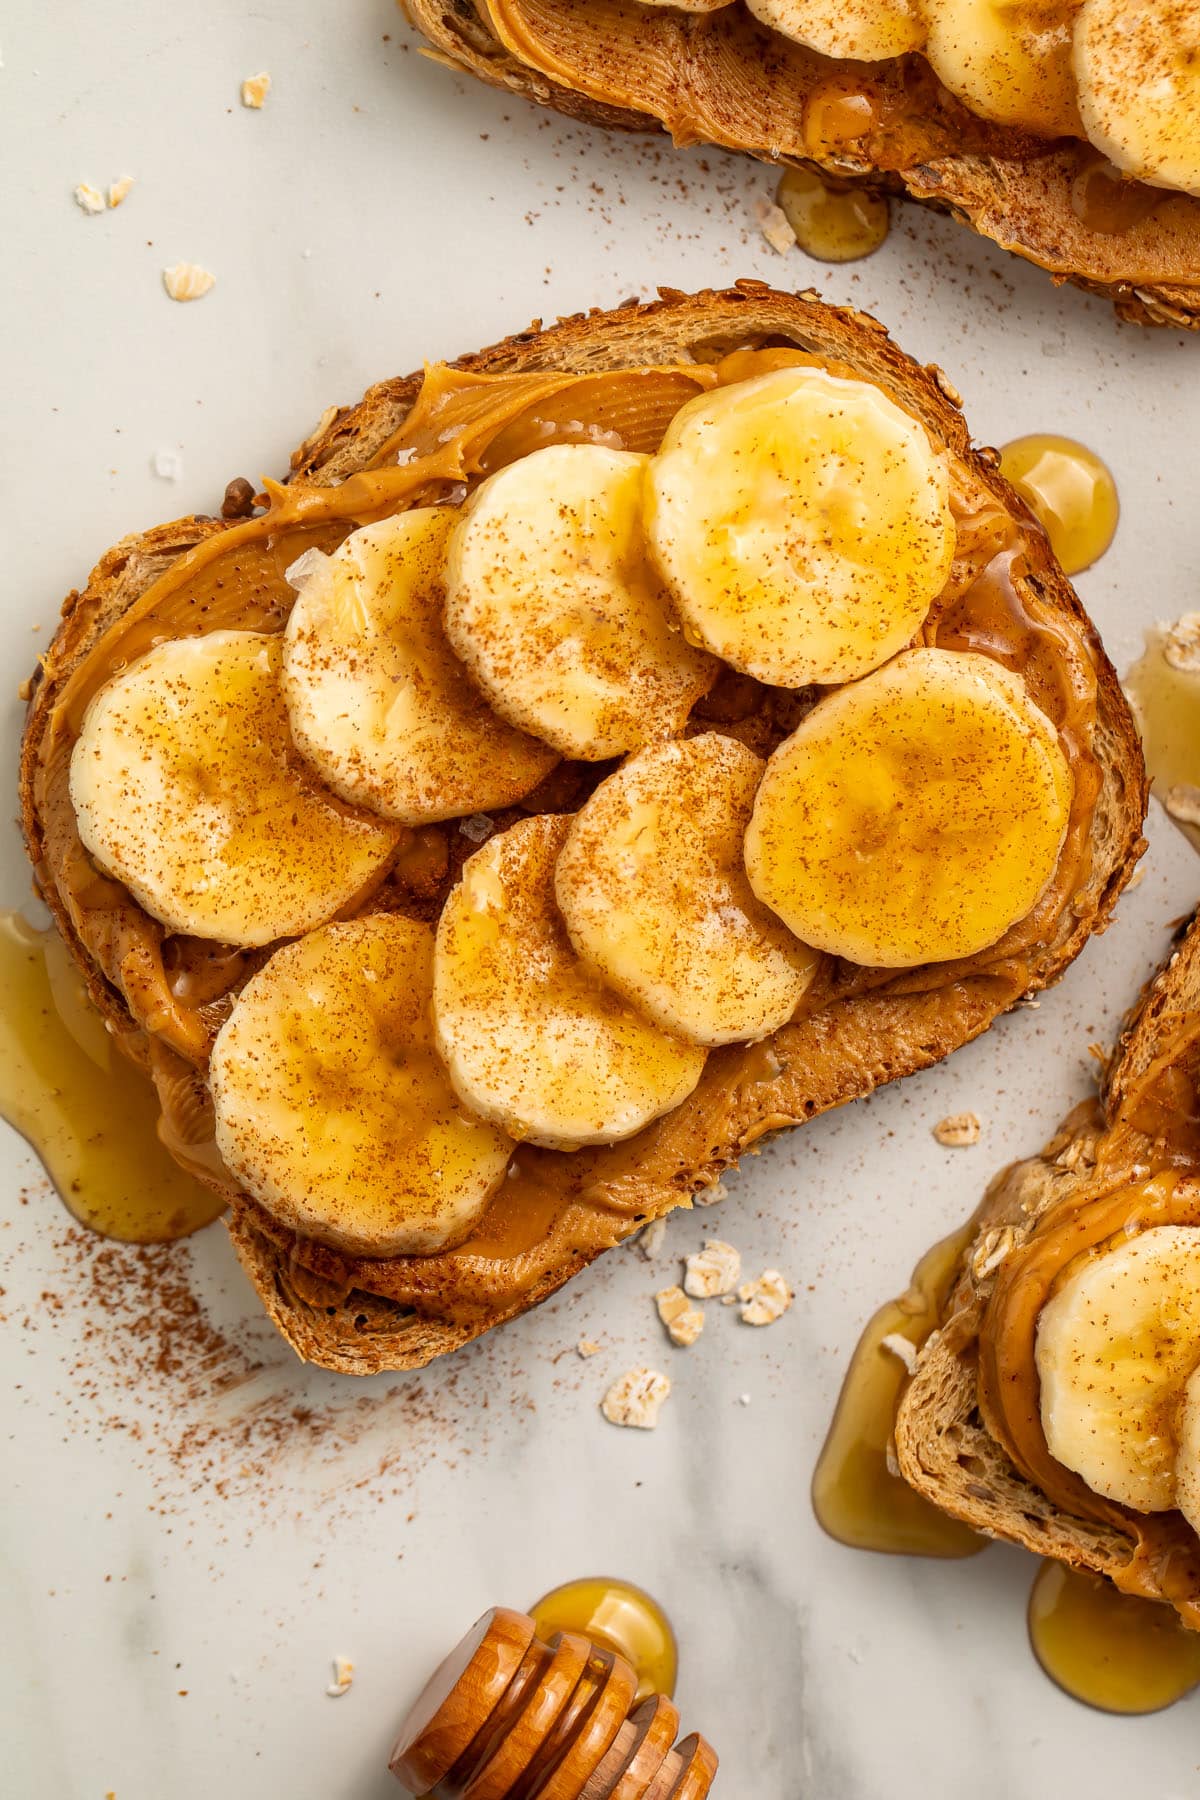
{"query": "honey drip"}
{"type": "Point", "coordinates": [616, 1616]}
{"type": "Point", "coordinates": [858, 1496]}
{"type": "Point", "coordinates": [832, 225]}
{"type": "Point", "coordinates": [1069, 491]}
{"type": "Point", "coordinates": [88, 1111]}
{"type": "Point", "coordinates": [1164, 691]}
{"type": "Point", "coordinates": [1110, 203]}
{"type": "Point", "coordinates": [1111, 1650]}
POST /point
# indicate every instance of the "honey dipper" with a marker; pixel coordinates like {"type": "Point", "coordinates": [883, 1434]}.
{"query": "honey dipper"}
{"type": "Point", "coordinates": [510, 1717]}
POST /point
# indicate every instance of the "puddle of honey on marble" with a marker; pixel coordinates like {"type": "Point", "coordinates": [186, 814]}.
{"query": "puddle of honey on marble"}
{"type": "Point", "coordinates": [86, 1109]}
{"type": "Point", "coordinates": [1113, 1651]}
{"type": "Point", "coordinates": [855, 1495]}
{"type": "Point", "coordinates": [829, 224]}
{"type": "Point", "coordinates": [617, 1616]}
{"type": "Point", "coordinates": [1164, 690]}
{"type": "Point", "coordinates": [1069, 491]}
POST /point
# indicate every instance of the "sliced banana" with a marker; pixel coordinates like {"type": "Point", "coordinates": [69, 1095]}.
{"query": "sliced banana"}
{"type": "Point", "coordinates": [1116, 1344]}
{"type": "Point", "coordinates": [652, 887]}
{"type": "Point", "coordinates": [186, 787]}
{"type": "Point", "coordinates": [1138, 73]}
{"type": "Point", "coordinates": [1187, 1458]}
{"type": "Point", "coordinates": [377, 700]}
{"type": "Point", "coordinates": [555, 610]}
{"type": "Point", "coordinates": [861, 30]}
{"type": "Point", "coordinates": [802, 521]}
{"type": "Point", "coordinates": [1007, 60]}
{"type": "Point", "coordinates": [532, 1038]}
{"type": "Point", "coordinates": [913, 816]}
{"type": "Point", "coordinates": [332, 1107]}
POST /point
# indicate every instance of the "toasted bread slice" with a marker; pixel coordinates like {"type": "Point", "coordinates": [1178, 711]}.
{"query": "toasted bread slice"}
{"type": "Point", "coordinates": [722, 78]}
{"type": "Point", "coordinates": [942, 1444]}
{"type": "Point", "coordinates": [360, 1316]}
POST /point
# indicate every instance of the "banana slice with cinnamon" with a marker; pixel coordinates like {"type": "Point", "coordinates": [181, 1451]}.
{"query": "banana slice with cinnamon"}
{"type": "Point", "coordinates": [913, 816]}
{"type": "Point", "coordinates": [187, 788]}
{"type": "Point", "coordinates": [554, 608]}
{"type": "Point", "coordinates": [332, 1107]}
{"type": "Point", "coordinates": [652, 887]}
{"type": "Point", "coordinates": [802, 522]}
{"type": "Point", "coordinates": [532, 1037]}
{"type": "Point", "coordinates": [376, 698]}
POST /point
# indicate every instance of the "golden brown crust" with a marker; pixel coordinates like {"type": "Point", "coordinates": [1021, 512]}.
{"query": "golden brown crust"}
{"type": "Point", "coordinates": [844, 1052]}
{"type": "Point", "coordinates": [944, 1448]}
{"type": "Point", "coordinates": [1008, 187]}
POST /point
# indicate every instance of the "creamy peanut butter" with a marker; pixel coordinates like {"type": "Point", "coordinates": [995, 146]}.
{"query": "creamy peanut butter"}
{"type": "Point", "coordinates": [1166, 1561]}
{"type": "Point", "coordinates": [555, 1210]}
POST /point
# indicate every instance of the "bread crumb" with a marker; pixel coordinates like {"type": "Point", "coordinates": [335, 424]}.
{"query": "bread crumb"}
{"type": "Point", "coordinates": [1136, 879]}
{"type": "Point", "coordinates": [1182, 647]}
{"type": "Point", "coordinates": [898, 1345]}
{"type": "Point", "coordinates": [255, 89]}
{"type": "Point", "coordinates": [477, 827]}
{"type": "Point", "coordinates": [712, 1271]}
{"type": "Point", "coordinates": [635, 1399]}
{"type": "Point", "coordinates": [89, 199]}
{"type": "Point", "coordinates": [587, 1347]}
{"type": "Point", "coordinates": [712, 1195]}
{"type": "Point", "coordinates": [650, 1238]}
{"type": "Point", "coordinates": [167, 465]}
{"type": "Point", "coordinates": [766, 1299]}
{"type": "Point", "coordinates": [1183, 803]}
{"type": "Point", "coordinates": [187, 281]}
{"type": "Point", "coordinates": [119, 190]}
{"type": "Point", "coordinates": [772, 222]}
{"type": "Point", "coordinates": [343, 1676]}
{"type": "Point", "coordinates": [957, 1130]}
{"type": "Point", "coordinates": [684, 1323]}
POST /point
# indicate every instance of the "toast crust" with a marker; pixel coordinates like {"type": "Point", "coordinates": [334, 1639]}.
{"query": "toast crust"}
{"type": "Point", "coordinates": [943, 1445]}
{"type": "Point", "coordinates": [340, 1313]}
{"type": "Point", "coordinates": [722, 78]}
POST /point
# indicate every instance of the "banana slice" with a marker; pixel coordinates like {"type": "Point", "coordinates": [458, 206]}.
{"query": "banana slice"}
{"type": "Point", "coordinates": [377, 700]}
{"type": "Point", "coordinates": [186, 788]}
{"type": "Point", "coordinates": [1138, 71]}
{"type": "Point", "coordinates": [332, 1107]}
{"type": "Point", "coordinates": [1007, 60]}
{"type": "Point", "coordinates": [556, 612]}
{"type": "Point", "coordinates": [914, 816]}
{"type": "Point", "coordinates": [862, 30]}
{"type": "Point", "coordinates": [651, 885]}
{"type": "Point", "coordinates": [532, 1039]}
{"type": "Point", "coordinates": [1116, 1344]}
{"type": "Point", "coordinates": [803, 524]}
{"type": "Point", "coordinates": [1187, 1459]}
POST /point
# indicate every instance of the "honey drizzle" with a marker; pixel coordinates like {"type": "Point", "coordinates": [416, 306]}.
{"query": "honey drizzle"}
{"type": "Point", "coordinates": [83, 1105]}
{"type": "Point", "coordinates": [1069, 491]}
{"type": "Point", "coordinates": [832, 224]}
{"type": "Point", "coordinates": [1110, 1650]}
{"type": "Point", "coordinates": [1165, 696]}
{"type": "Point", "coordinates": [858, 1495]}
{"type": "Point", "coordinates": [616, 1616]}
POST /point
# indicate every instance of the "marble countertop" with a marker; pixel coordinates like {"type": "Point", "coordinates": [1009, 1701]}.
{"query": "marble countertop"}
{"type": "Point", "coordinates": [195, 1524]}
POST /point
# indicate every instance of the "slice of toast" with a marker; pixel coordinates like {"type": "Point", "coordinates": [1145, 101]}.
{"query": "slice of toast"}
{"type": "Point", "coordinates": [722, 78]}
{"type": "Point", "coordinates": [942, 1444]}
{"type": "Point", "coordinates": [340, 1313]}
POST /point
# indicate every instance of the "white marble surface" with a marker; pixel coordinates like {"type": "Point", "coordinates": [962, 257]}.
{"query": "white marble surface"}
{"type": "Point", "coordinates": [167, 1532]}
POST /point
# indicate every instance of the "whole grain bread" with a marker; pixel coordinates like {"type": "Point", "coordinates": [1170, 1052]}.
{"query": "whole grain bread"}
{"type": "Point", "coordinates": [841, 1052]}
{"type": "Point", "coordinates": [942, 1444]}
{"type": "Point", "coordinates": [694, 80]}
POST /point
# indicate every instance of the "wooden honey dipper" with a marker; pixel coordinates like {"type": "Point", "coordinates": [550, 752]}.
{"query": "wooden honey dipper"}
{"type": "Point", "coordinates": [510, 1717]}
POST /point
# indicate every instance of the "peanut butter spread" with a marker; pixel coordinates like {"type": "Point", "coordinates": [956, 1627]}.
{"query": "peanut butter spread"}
{"type": "Point", "coordinates": [555, 1209]}
{"type": "Point", "coordinates": [721, 77]}
{"type": "Point", "coordinates": [1141, 1178]}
